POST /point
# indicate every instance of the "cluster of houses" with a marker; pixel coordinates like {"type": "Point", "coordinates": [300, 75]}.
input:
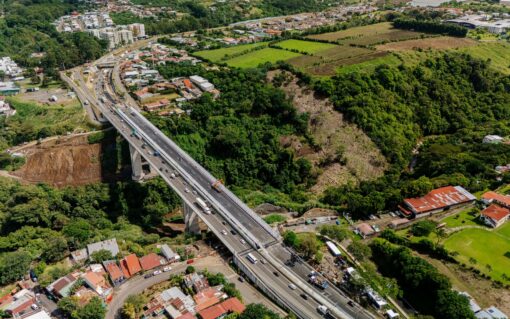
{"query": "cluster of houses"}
{"type": "Point", "coordinates": [100, 25]}
{"type": "Point", "coordinates": [141, 11]}
{"type": "Point", "coordinates": [11, 71]}
{"type": "Point", "coordinates": [22, 303]}
{"type": "Point", "coordinates": [155, 93]}
{"type": "Point", "coordinates": [118, 271]}
{"type": "Point", "coordinates": [497, 211]}
{"type": "Point", "coordinates": [5, 108]}
{"type": "Point", "coordinates": [255, 30]}
{"type": "Point", "coordinates": [204, 301]}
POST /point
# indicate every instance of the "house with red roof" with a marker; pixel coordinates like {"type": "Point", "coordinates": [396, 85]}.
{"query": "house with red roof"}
{"type": "Point", "coordinates": [130, 265]}
{"type": "Point", "coordinates": [206, 298]}
{"type": "Point", "coordinates": [231, 305]}
{"type": "Point", "coordinates": [151, 261]}
{"type": "Point", "coordinates": [436, 201]}
{"type": "Point", "coordinates": [495, 216]}
{"type": "Point", "coordinates": [493, 197]}
{"type": "Point", "coordinates": [117, 276]}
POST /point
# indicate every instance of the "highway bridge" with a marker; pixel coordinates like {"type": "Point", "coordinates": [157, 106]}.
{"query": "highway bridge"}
{"type": "Point", "coordinates": [278, 273]}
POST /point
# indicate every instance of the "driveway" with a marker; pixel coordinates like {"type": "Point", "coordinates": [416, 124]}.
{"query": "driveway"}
{"type": "Point", "coordinates": [214, 264]}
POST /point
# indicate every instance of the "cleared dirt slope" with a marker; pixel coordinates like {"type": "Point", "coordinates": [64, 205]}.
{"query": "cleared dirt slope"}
{"type": "Point", "coordinates": [344, 153]}
{"type": "Point", "coordinates": [61, 162]}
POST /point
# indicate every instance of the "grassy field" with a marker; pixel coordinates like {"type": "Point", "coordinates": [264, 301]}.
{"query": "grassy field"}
{"type": "Point", "coordinates": [370, 65]}
{"type": "Point", "coordinates": [479, 248]}
{"type": "Point", "coordinates": [33, 119]}
{"type": "Point", "coordinates": [368, 35]}
{"type": "Point", "coordinates": [464, 218]}
{"type": "Point", "coordinates": [253, 59]}
{"type": "Point", "coordinates": [497, 52]}
{"type": "Point", "coordinates": [305, 46]}
{"type": "Point", "coordinates": [224, 53]}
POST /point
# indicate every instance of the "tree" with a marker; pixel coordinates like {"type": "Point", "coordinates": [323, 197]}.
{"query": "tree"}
{"type": "Point", "coordinates": [56, 249]}
{"type": "Point", "coordinates": [258, 311]}
{"type": "Point", "coordinates": [359, 250]}
{"type": "Point", "coordinates": [423, 228]}
{"type": "Point", "coordinates": [138, 301]}
{"type": "Point", "coordinates": [451, 304]}
{"type": "Point", "coordinates": [190, 269]}
{"type": "Point", "coordinates": [290, 238]}
{"type": "Point", "coordinates": [101, 255]}
{"type": "Point", "coordinates": [309, 245]}
{"type": "Point", "coordinates": [94, 309]}
{"type": "Point", "coordinates": [128, 311]}
{"type": "Point", "coordinates": [13, 266]}
{"type": "Point", "coordinates": [336, 232]}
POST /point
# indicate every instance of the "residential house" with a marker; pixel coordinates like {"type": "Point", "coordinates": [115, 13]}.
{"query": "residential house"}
{"type": "Point", "coordinates": [98, 283]}
{"type": "Point", "coordinates": [398, 223]}
{"type": "Point", "coordinates": [41, 314]}
{"type": "Point", "coordinates": [436, 201]}
{"type": "Point", "coordinates": [130, 265]}
{"type": "Point", "coordinates": [169, 254]}
{"type": "Point", "coordinates": [79, 256]}
{"type": "Point", "coordinates": [206, 298]}
{"type": "Point", "coordinates": [21, 304]}
{"type": "Point", "coordinates": [8, 88]}
{"type": "Point", "coordinates": [109, 245]}
{"type": "Point", "coordinates": [491, 313]}
{"type": "Point", "coordinates": [492, 139]}
{"type": "Point", "coordinates": [116, 274]}
{"type": "Point", "coordinates": [495, 215]}
{"type": "Point", "coordinates": [196, 281]}
{"type": "Point", "coordinates": [364, 230]}
{"type": "Point", "coordinates": [178, 299]}
{"type": "Point", "coordinates": [151, 261]}
{"type": "Point", "coordinates": [493, 197]}
{"type": "Point", "coordinates": [231, 305]}
{"type": "Point", "coordinates": [158, 105]}
{"type": "Point", "coordinates": [62, 286]}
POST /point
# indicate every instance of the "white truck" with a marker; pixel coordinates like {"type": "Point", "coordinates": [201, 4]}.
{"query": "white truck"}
{"type": "Point", "coordinates": [323, 310]}
{"type": "Point", "coordinates": [203, 205]}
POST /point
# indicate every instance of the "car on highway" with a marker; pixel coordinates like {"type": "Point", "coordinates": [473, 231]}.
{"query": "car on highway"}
{"type": "Point", "coordinates": [233, 232]}
{"type": "Point", "coordinates": [263, 261]}
{"type": "Point", "coordinates": [292, 286]}
{"type": "Point", "coordinates": [186, 190]}
{"type": "Point", "coordinates": [224, 232]}
{"type": "Point", "coordinates": [172, 175]}
{"type": "Point", "coordinates": [243, 241]}
{"type": "Point", "coordinates": [157, 272]}
{"type": "Point", "coordinates": [167, 269]}
{"type": "Point", "coordinates": [241, 279]}
{"type": "Point", "coordinates": [223, 222]}
{"type": "Point", "coordinates": [276, 273]}
{"type": "Point", "coordinates": [350, 303]}
{"type": "Point", "coordinates": [304, 296]}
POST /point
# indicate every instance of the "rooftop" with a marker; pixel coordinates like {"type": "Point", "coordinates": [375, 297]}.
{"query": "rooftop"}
{"type": "Point", "coordinates": [228, 306]}
{"type": "Point", "coordinates": [113, 270]}
{"type": "Point", "coordinates": [150, 261]}
{"type": "Point", "coordinates": [132, 264]}
{"type": "Point", "coordinates": [493, 196]}
{"type": "Point", "coordinates": [439, 198]}
{"type": "Point", "coordinates": [110, 245]}
{"type": "Point", "coordinates": [496, 212]}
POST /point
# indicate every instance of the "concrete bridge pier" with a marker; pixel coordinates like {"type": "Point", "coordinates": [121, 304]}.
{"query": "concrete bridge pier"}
{"type": "Point", "coordinates": [136, 164]}
{"type": "Point", "coordinates": [190, 219]}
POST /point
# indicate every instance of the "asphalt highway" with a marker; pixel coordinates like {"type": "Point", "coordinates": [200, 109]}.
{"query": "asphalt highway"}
{"type": "Point", "coordinates": [190, 181]}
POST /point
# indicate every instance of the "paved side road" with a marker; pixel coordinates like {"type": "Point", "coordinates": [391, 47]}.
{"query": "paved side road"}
{"type": "Point", "coordinates": [213, 264]}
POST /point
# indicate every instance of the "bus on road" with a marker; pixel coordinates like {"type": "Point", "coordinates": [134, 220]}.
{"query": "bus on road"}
{"type": "Point", "coordinates": [252, 258]}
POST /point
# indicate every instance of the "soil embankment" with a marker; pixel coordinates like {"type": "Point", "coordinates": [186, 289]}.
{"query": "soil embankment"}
{"type": "Point", "coordinates": [62, 161]}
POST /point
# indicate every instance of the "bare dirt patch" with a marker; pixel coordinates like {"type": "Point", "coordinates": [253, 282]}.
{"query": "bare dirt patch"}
{"type": "Point", "coordinates": [61, 162]}
{"type": "Point", "coordinates": [344, 154]}
{"type": "Point", "coordinates": [439, 43]}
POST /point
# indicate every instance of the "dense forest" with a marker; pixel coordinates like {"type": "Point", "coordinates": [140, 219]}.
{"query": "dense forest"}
{"type": "Point", "coordinates": [41, 223]}
{"type": "Point", "coordinates": [441, 109]}
{"type": "Point", "coordinates": [237, 135]}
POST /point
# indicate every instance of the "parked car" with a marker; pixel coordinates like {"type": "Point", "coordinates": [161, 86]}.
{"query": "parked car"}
{"type": "Point", "coordinates": [148, 276]}
{"type": "Point", "coordinates": [157, 272]}
{"type": "Point", "coordinates": [166, 269]}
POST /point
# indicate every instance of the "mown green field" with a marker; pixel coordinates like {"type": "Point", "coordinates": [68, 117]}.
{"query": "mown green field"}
{"type": "Point", "coordinates": [223, 54]}
{"type": "Point", "coordinates": [305, 46]}
{"type": "Point", "coordinates": [464, 218]}
{"type": "Point", "coordinates": [480, 248]}
{"type": "Point", "coordinates": [254, 58]}
{"type": "Point", "coordinates": [497, 52]}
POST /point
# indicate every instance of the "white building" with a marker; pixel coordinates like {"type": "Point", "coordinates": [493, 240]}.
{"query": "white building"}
{"type": "Point", "coordinates": [9, 67]}
{"type": "Point", "coordinates": [491, 313]}
{"type": "Point", "coordinates": [492, 139]}
{"type": "Point", "coordinates": [138, 30]}
{"type": "Point", "coordinates": [202, 83]}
